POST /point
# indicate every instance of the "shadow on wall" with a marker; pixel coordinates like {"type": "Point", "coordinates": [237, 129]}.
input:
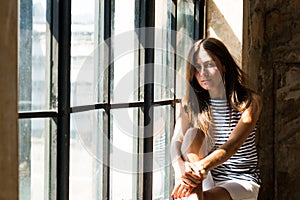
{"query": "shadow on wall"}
{"type": "Point", "coordinates": [286, 130]}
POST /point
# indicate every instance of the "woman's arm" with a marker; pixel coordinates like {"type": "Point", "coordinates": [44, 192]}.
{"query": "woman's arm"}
{"type": "Point", "coordinates": [181, 126]}
{"type": "Point", "coordinates": [179, 165]}
{"type": "Point", "coordinates": [237, 137]}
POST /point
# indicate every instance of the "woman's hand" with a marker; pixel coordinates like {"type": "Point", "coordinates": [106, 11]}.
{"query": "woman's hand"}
{"type": "Point", "coordinates": [186, 182]}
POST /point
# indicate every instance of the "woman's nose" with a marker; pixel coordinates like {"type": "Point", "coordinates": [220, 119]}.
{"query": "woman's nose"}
{"type": "Point", "coordinates": [202, 71]}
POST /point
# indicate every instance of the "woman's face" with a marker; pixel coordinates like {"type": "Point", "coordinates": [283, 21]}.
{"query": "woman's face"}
{"type": "Point", "coordinates": [207, 72]}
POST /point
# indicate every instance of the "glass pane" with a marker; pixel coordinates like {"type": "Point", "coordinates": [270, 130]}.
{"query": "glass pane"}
{"type": "Point", "coordinates": [164, 65]}
{"type": "Point", "coordinates": [124, 157]}
{"type": "Point", "coordinates": [184, 41]}
{"type": "Point", "coordinates": [86, 149]}
{"type": "Point", "coordinates": [161, 157]}
{"type": "Point", "coordinates": [86, 70]}
{"type": "Point", "coordinates": [33, 71]}
{"type": "Point", "coordinates": [35, 142]}
{"type": "Point", "coordinates": [125, 77]}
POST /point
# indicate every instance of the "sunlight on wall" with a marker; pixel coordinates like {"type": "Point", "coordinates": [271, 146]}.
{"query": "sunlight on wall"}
{"type": "Point", "coordinates": [225, 22]}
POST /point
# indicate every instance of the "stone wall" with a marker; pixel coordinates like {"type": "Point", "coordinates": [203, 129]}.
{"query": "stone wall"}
{"type": "Point", "coordinates": [273, 60]}
{"type": "Point", "coordinates": [287, 130]}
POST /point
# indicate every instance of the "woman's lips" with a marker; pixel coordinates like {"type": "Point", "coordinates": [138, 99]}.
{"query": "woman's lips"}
{"type": "Point", "coordinates": [205, 81]}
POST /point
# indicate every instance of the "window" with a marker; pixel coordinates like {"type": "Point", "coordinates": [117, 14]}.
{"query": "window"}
{"type": "Point", "coordinates": [97, 95]}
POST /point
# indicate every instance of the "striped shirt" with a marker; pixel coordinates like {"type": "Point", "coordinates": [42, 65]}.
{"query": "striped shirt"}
{"type": "Point", "coordinates": [243, 164]}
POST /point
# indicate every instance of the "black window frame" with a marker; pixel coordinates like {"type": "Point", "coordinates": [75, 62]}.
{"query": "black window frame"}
{"type": "Point", "coordinates": [59, 18]}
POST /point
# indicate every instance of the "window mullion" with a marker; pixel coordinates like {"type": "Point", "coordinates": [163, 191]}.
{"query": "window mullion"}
{"type": "Point", "coordinates": [202, 13]}
{"type": "Point", "coordinates": [51, 68]}
{"type": "Point", "coordinates": [149, 99]}
{"type": "Point", "coordinates": [108, 24]}
{"type": "Point", "coordinates": [173, 63]}
{"type": "Point", "coordinates": [63, 122]}
{"type": "Point", "coordinates": [198, 19]}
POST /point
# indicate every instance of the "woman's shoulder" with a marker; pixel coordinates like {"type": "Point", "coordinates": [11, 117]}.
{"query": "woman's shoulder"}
{"type": "Point", "coordinates": [184, 109]}
{"type": "Point", "coordinates": [184, 100]}
{"type": "Point", "coordinates": [256, 101]}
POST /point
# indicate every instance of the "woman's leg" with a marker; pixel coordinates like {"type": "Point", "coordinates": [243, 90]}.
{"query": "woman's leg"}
{"type": "Point", "coordinates": [191, 148]}
{"type": "Point", "coordinates": [192, 151]}
{"type": "Point", "coordinates": [216, 193]}
{"type": "Point", "coordinates": [195, 147]}
{"type": "Point", "coordinates": [240, 189]}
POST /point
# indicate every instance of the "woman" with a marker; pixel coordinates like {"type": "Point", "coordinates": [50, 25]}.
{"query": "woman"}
{"type": "Point", "coordinates": [213, 147]}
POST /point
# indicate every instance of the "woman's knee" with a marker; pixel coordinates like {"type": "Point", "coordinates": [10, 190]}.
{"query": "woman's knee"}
{"type": "Point", "coordinates": [191, 145]}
